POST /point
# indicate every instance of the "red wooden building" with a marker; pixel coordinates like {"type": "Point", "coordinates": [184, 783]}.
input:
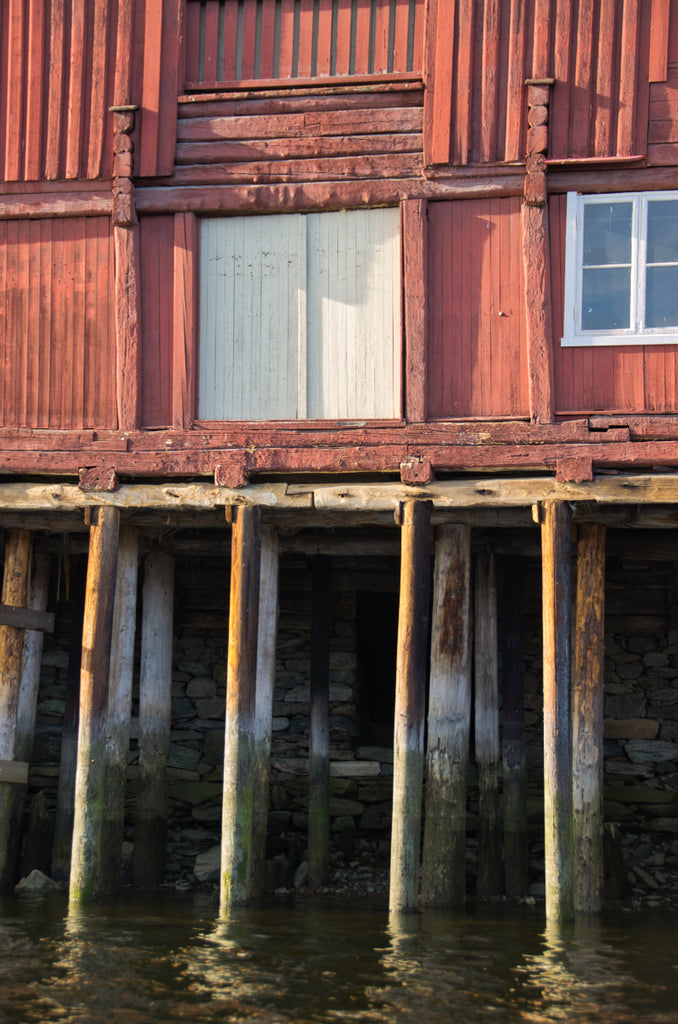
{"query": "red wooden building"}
{"type": "Point", "coordinates": [309, 264]}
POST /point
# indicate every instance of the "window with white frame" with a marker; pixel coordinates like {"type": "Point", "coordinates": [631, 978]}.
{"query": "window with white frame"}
{"type": "Point", "coordinates": [300, 316]}
{"type": "Point", "coordinates": [621, 269]}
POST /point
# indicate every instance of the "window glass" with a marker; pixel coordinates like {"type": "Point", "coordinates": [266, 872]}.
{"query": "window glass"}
{"type": "Point", "coordinates": [606, 298]}
{"type": "Point", "coordinates": [662, 231]}
{"type": "Point", "coordinates": [661, 298]}
{"type": "Point", "coordinates": [607, 233]}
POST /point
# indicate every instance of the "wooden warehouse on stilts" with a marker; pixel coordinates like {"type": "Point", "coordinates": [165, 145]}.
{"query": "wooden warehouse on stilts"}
{"type": "Point", "coordinates": [393, 280]}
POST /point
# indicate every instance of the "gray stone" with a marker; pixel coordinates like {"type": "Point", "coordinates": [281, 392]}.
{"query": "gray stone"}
{"type": "Point", "coordinates": [201, 687]}
{"type": "Point", "coordinates": [211, 707]}
{"type": "Point", "coordinates": [344, 824]}
{"type": "Point", "coordinates": [208, 865]}
{"type": "Point", "coordinates": [55, 658]}
{"type": "Point", "coordinates": [36, 883]}
{"type": "Point", "coordinates": [195, 792]}
{"type": "Point", "coordinates": [377, 817]}
{"type": "Point", "coordinates": [375, 754]}
{"type": "Point", "coordinates": [183, 757]}
{"type": "Point", "coordinates": [651, 751]}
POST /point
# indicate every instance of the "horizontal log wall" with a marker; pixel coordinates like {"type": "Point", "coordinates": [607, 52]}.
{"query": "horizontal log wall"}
{"type": "Point", "coordinates": [57, 340]}
{"type": "Point", "coordinates": [615, 378]}
{"type": "Point", "coordinates": [477, 363]}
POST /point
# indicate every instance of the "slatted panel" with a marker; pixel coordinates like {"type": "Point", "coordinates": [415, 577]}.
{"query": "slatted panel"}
{"type": "Point", "coordinates": [300, 316]}
{"type": "Point", "coordinates": [597, 51]}
{"type": "Point", "coordinates": [477, 355]}
{"type": "Point", "coordinates": [245, 40]}
{"type": "Point", "coordinates": [663, 121]}
{"type": "Point", "coordinates": [54, 88]}
{"type": "Point", "coordinates": [57, 339]}
{"type": "Point", "coordinates": [157, 284]}
{"type": "Point", "coordinates": [623, 378]}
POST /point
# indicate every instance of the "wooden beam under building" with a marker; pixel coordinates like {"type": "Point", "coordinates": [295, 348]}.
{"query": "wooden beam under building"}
{"type": "Point", "coordinates": [514, 781]}
{"type": "Point", "coordinates": [319, 752]}
{"type": "Point", "coordinates": [449, 721]}
{"type": "Point", "coordinates": [410, 702]}
{"type": "Point", "coordinates": [243, 624]}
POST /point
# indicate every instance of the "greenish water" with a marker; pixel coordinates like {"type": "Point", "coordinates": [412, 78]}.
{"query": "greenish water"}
{"type": "Point", "coordinates": [169, 959]}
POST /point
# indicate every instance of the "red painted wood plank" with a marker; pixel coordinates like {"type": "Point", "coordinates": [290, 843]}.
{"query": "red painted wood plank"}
{"type": "Point", "coordinates": [94, 362]}
{"type": "Point", "coordinates": [363, 17]}
{"type": "Point", "coordinates": [249, 41]}
{"type": "Point", "coordinates": [324, 46]}
{"type": "Point", "coordinates": [401, 36]}
{"type": "Point", "coordinates": [35, 89]}
{"type": "Point", "coordinates": [16, 93]}
{"type": "Point", "coordinates": [659, 40]}
{"type": "Point", "coordinates": [99, 90]}
{"type": "Point", "coordinates": [415, 289]}
{"type": "Point", "coordinates": [81, 275]}
{"type": "Point", "coordinates": [186, 255]}
{"type": "Point", "coordinates": [490, 57]}
{"type": "Point", "coordinates": [382, 22]}
{"type": "Point", "coordinates": [230, 40]}
{"type": "Point", "coordinates": [641, 113]}
{"type": "Point", "coordinates": [514, 145]}
{"type": "Point", "coordinates": [542, 47]}
{"type": "Point", "coordinates": [192, 43]}
{"type": "Point", "coordinates": [419, 35]}
{"type": "Point", "coordinates": [305, 54]}
{"type": "Point", "coordinates": [4, 84]}
{"type": "Point", "coordinates": [560, 109]}
{"type": "Point", "coordinates": [628, 78]}
{"type": "Point", "coordinates": [605, 100]}
{"type": "Point", "coordinates": [150, 99]}
{"type": "Point", "coordinates": [438, 97]}
{"type": "Point", "coordinates": [55, 94]}
{"type": "Point", "coordinates": [43, 418]}
{"type": "Point", "coordinates": [461, 147]}
{"type": "Point", "coordinates": [343, 28]}
{"type": "Point", "coordinates": [33, 342]}
{"type": "Point", "coordinates": [76, 98]}
{"type": "Point", "coordinates": [582, 95]}
{"type": "Point", "coordinates": [267, 57]}
{"type": "Point", "coordinates": [211, 51]}
{"type": "Point", "coordinates": [169, 84]}
{"type": "Point", "coordinates": [157, 268]}
{"type": "Point", "coordinates": [286, 57]}
{"type": "Point", "coordinates": [22, 323]}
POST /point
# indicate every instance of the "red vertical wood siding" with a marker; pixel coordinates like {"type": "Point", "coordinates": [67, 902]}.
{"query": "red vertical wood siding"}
{"type": "Point", "coordinates": [616, 378]}
{"type": "Point", "coordinates": [663, 120]}
{"type": "Point", "coordinates": [55, 88]}
{"type": "Point", "coordinates": [157, 290]}
{"type": "Point", "coordinates": [57, 342]}
{"type": "Point", "coordinates": [598, 51]}
{"type": "Point", "coordinates": [158, 35]}
{"type": "Point", "coordinates": [477, 362]}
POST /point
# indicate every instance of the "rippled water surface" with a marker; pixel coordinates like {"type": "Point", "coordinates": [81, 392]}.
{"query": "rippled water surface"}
{"type": "Point", "coordinates": [157, 959]}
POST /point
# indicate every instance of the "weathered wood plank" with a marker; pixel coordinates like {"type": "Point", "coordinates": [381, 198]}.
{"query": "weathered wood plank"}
{"type": "Point", "coordinates": [449, 721]}
{"type": "Point", "coordinates": [539, 329]}
{"type": "Point", "coordinates": [296, 148]}
{"type": "Point", "coordinates": [26, 618]}
{"type": "Point", "coordinates": [408, 734]}
{"type": "Point", "coordinates": [312, 123]}
{"type": "Point", "coordinates": [415, 287]}
{"type": "Point", "coordinates": [14, 773]}
{"type": "Point", "coordinates": [127, 325]}
{"type": "Point", "coordinates": [185, 321]}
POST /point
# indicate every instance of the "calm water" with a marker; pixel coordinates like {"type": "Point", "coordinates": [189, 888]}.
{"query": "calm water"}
{"type": "Point", "coordinates": [138, 961]}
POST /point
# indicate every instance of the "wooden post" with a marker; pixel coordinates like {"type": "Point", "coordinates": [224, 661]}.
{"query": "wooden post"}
{"type": "Point", "coordinates": [155, 720]}
{"type": "Point", "coordinates": [319, 753]}
{"type": "Point", "coordinates": [90, 777]}
{"type": "Point", "coordinates": [63, 825]}
{"type": "Point", "coordinates": [14, 592]}
{"type": "Point", "coordinates": [587, 718]}
{"type": "Point", "coordinates": [490, 878]}
{"type": "Point", "coordinates": [236, 836]}
{"type": "Point", "coordinates": [513, 721]}
{"type": "Point", "coordinates": [449, 721]}
{"type": "Point", "coordinates": [410, 699]}
{"type": "Point", "coordinates": [266, 652]}
{"type": "Point", "coordinates": [120, 705]}
{"type": "Point", "coordinates": [556, 600]}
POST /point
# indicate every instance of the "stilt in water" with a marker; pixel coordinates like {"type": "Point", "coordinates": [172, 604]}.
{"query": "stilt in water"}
{"type": "Point", "coordinates": [587, 718]}
{"type": "Point", "coordinates": [155, 720]}
{"type": "Point", "coordinates": [410, 700]}
{"type": "Point", "coordinates": [266, 651]}
{"type": "Point", "coordinates": [449, 721]}
{"type": "Point", "coordinates": [14, 593]}
{"type": "Point", "coordinates": [90, 778]}
{"type": "Point", "coordinates": [556, 601]}
{"type": "Point", "coordinates": [319, 753]}
{"type": "Point", "coordinates": [490, 872]}
{"type": "Point", "coordinates": [513, 720]}
{"type": "Point", "coordinates": [237, 814]}
{"type": "Point", "coordinates": [120, 705]}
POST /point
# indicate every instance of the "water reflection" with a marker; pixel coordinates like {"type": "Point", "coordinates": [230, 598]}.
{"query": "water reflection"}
{"type": "Point", "coordinates": [144, 961]}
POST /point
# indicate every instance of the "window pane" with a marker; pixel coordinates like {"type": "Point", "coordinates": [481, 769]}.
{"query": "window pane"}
{"type": "Point", "coordinates": [662, 231]}
{"type": "Point", "coordinates": [661, 302]}
{"type": "Point", "coordinates": [607, 233]}
{"type": "Point", "coordinates": [606, 296]}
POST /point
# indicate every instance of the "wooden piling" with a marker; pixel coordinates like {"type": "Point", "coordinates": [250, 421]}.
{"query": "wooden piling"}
{"type": "Point", "coordinates": [486, 670]}
{"type": "Point", "coordinates": [120, 705]}
{"type": "Point", "coordinates": [408, 733]}
{"type": "Point", "coordinates": [587, 718]}
{"type": "Point", "coordinates": [319, 753]}
{"type": "Point", "coordinates": [65, 810]}
{"type": "Point", "coordinates": [14, 593]}
{"type": "Point", "coordinates": [155, 720]}
{"type": "Point", "coordinates": [263, 714]}
{"type": "Point", "coordinates": [90, 777]}
{"type": "Point", "coordinates": [449, 722]}
{"type": "Point", "coordinates": [237, 814]}
{"type": "Point", "coordinates": [514, 791]}
{"type": "Point", "coordinates": [556, 602]}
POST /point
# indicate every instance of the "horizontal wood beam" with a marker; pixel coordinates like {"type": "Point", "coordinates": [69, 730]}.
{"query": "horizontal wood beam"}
{"type": "Point", "coordinates": [26, 618]}
{"type": "Point", "coordinates": [15, 772]}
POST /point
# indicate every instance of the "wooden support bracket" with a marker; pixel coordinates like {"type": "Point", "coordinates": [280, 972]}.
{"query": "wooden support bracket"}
{"type": "Point", "coordinates": [26, 618]}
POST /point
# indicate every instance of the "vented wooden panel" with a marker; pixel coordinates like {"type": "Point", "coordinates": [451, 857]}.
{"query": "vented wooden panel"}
{"type": "Point", "coordinates": [477, 363]}
{"type": "Point", "coordinates": [244, 40]}
{"type": "Point", "coordinates": [57, 339]}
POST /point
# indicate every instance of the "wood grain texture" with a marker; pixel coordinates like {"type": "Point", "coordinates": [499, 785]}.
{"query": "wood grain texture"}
{"type": "Point", "coordinates": [186, 292]}
{"type": "Point", "coordinates": [415, 288]}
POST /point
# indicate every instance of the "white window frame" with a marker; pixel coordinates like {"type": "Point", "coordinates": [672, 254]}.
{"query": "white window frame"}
{"type": "Point", "coordinates": [637, 333]}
